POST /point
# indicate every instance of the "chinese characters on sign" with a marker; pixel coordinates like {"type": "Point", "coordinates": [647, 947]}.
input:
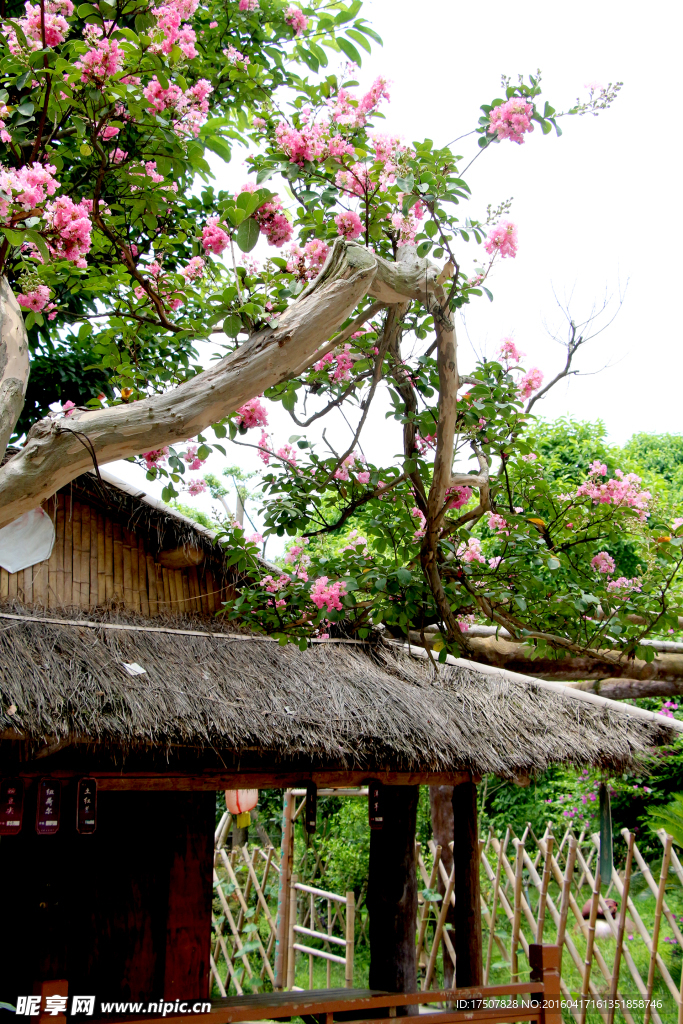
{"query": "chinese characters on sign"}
{"type": "Point", "coordinates": [11, 806]}
{"type": "Point", "coordinates": [86, 806]}
{"type": "Point", "coordinates": [47, 814]}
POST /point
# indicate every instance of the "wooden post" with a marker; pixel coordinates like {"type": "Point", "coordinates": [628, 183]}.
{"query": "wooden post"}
{"type": "Point", "coordinates": [621, 928]}
{"type": "Point", "coordinates": [544, 889]}
{"type": "Point", "coordinates": [545, 964]}
{"type": "Point", "coordinates": [517, 919]}
{"type": "Point", "coordinates": [566, 892]}
{"type": "Point", "coordinates": [291, 952]}
{"type": "Point", "coordinates": [392, 893]}
{"type": "Point", "coordinates": [468, 941]}
{"type": "Point", "coordinates": [427, 904]}
{"type": "Point", "coordinates": [590, 940]}
{"type": "Point", "coordinates": [441, 811]}
{"type": "Point", "coordinates": [350, 937]}
{"type": "Point", "coordinates": [663, 874]}
{"type": "Point", "coordinates": [494, 906]}
{"type": "Point", "coordinates": [283, 893]}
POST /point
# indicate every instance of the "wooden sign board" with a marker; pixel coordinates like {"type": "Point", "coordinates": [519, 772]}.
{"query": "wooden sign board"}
{"type": "Point", "coordinates": [11, 806]}
{"type": "Point", "coordinates": [86, 806]}
{"type": "Point", "coordinates": [48, 809]}
{"type": "Point", "coordinates": [311, 819]}
{"type": "Point", "coordinates": [375, 809]}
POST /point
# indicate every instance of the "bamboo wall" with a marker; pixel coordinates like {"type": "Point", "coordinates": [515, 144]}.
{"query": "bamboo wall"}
{"type": "Point", "coordinates": [97, 562]}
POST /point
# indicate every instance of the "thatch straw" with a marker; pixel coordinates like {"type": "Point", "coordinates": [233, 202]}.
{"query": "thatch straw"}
{"type": "Point", "coordinates": [333, 706]}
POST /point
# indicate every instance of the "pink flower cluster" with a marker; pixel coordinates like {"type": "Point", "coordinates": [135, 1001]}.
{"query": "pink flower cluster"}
{"type": "Point", "coordinates": [214, 238]}
{"type": "Point", "coordinates": [28, 187]}
{"type": "Point", "coordinates": [667, 709]}
{"type": "Point", "coordinates": [154, 458]}
{"type": "Point", "coordinates": [297, 19]}
{"type": "Point", "coordinates": [192, 459]}
{"type": "Point", "coordinates": [273, 223]}
{"type": "Point", "coordinates": [311, 142]}
{"type": "Point", "coordinates": [249, 5]}
{"type": "Point", "coordinates": [348, 224]}
{"type": "Point", "coordinates": [425, 443]}
{"type": "Point", "coordinates": [624, 586]}
{"type": "Point", "coordinates": [351, 112]}
{"type": "Point", "coordinates": [56, 26]}
{"type": "Point", "coordinates": [509, 351]}
{"type": "Point", "coordinates": [530, 382]}
{"type": "Point", "coordinates": [349, 463]}
{"type": "Point", "coordinates": [343, 361]}
{"type": "Point", "coordinates": [196, 487]}
{"type": "Point", "coordinates": [498, 524]}
{"type": "Point", "coordinates": [502, 239]}
{"type": "Point", "coordinates": [511, 120]}
{"type": "Point", "coordinates": [169, 17]}
{"type": "Point", "coordinates": [235, 57]}
{"type": "Point", "coordinates": [327, 595]}
{"type": "Point", "coordinates": [252, 414]}
{"type": "Point", "coordinates": [471, 552]}
{"type": "Point", "coordinates": [70, 228]}
{"type": "Point", "coordinates": [621, 490]}
{"type": "Point", "coordinates": [194, 269]}
{"type": "Point", "coordinates": [306, 262]}
{"type": "Point", "coordinates": [35, 300]}
{"type": "Point", "coordinates": [456, 497]}
{"type": "Point", "coordinates": [188, 108]}
{"type": "Point", "coordinates": [602, 562]}
{"type": "Point", "coordinates": [417, 514]}
{"type": "Point", "coordinates": [101, 62]}
{"type": "Point", "coordinates": [407, 226]}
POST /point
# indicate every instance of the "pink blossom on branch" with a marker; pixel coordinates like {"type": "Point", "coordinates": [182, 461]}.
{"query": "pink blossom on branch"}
{"type": "Point", "coordinates": [214, 238]}
{"type": "Point", "coordinates": [153, 458]}
{"type": "Point", "coordinates": [511, 120]}
{"type": "Point", "coordinates": [297, 19]}
{"type": "Point", "coordinates": [249, 5]}
{"type": "Point", "coordinates": [470, 552]}
{"type": "Point", "coordinates": [602, 562]}
{"type": "Point", "coordinates": [252, 414]}
{"type": "Point", "coordinates": [194, 269]}
{"type": "Point", "coordinates": [101, 62]}
{"type": "Point", "coordinates": [35, 300]}
{"type": "Point", "coordinates": [327, 595]}
{"type": "Point", "coordinates": [456, 497]}
{"type": "Point", "coordinates": [502, 239]}
{"type": "Point", "coordinates": [509, 351]}
{"type": "Point", "coordinates": [530, 382]}
{"type": "Point", "coordinates": [348, 224]}
{"type": "Point", "coordinates": [196, 487]}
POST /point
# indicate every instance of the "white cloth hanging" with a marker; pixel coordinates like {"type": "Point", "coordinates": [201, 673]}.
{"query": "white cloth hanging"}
{"type": "Point", "coordinates": [29, 539]}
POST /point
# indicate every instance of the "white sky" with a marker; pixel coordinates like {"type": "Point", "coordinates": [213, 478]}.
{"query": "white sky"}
{"type": "Point", "coordinates": [597, 210]}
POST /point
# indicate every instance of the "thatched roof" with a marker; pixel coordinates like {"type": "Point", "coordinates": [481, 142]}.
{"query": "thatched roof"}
{"type": "Point", "coordinates": [247, 699]}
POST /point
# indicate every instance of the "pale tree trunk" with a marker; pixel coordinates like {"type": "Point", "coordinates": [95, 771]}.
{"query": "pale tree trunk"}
{"type": "Point", "coordinates": [14, 363]}
{"type": "Point", "coordinates": [54, 454]}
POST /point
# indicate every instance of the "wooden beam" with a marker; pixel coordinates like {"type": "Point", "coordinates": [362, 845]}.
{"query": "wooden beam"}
{"type": "Point", "coordinates": [468, 941]}
{"type": "Point", "coordinates": [175, 781]}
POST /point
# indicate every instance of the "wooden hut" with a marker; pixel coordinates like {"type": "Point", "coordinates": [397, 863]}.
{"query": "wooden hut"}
{"type": "Point", "coordinates": [125, 704]}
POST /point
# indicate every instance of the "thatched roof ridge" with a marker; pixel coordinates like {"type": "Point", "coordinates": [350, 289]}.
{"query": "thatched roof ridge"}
{"type": "Point", "coordinates": [351, 706]}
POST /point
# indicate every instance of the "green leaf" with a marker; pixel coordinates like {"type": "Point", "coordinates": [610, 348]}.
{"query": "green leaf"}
{"type": "Point", "coordinates": [247, 234]}
{"type": "Point", "coordinates": [350, 50]}
{"type": "Point", "coordinates": [232, 325]}
{"type": "Point", "coordinates": [40, 244]}
{"type": "Point", "coordinates": [218, 146]}
{"type": "Point", "coordinates": [354, 34]}
{"type": "Point", "coordinates": [404, 576]}
{"type": "Point", "coordinates": [423, 248]}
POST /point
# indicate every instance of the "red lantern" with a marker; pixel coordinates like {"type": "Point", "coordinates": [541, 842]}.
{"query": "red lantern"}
{"type": "Point", "coordinates": [240, 802]}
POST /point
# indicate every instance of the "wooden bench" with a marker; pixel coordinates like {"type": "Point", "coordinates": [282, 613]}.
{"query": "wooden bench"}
{"type": "Point", "coordinates": [366, 1006]}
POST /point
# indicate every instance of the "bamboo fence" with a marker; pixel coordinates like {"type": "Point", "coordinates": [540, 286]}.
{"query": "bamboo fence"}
{"type": "Point", "coordinates": [533, 889]}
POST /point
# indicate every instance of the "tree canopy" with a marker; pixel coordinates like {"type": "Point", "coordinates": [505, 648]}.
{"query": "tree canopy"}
{"type": "Point", "coordinates": [125, 259]}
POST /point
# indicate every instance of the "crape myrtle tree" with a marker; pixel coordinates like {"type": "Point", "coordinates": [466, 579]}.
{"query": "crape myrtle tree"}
{"type": "Point", "coordinates": [115, 271]}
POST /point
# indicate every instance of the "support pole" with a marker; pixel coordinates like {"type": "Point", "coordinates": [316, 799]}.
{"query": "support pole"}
{"type": "Point", "coordinates": [286, 859]}
{"type": "Point", "coordinates": [468, 940]}
{"type": "Point", "coordinates": [392, 894]}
